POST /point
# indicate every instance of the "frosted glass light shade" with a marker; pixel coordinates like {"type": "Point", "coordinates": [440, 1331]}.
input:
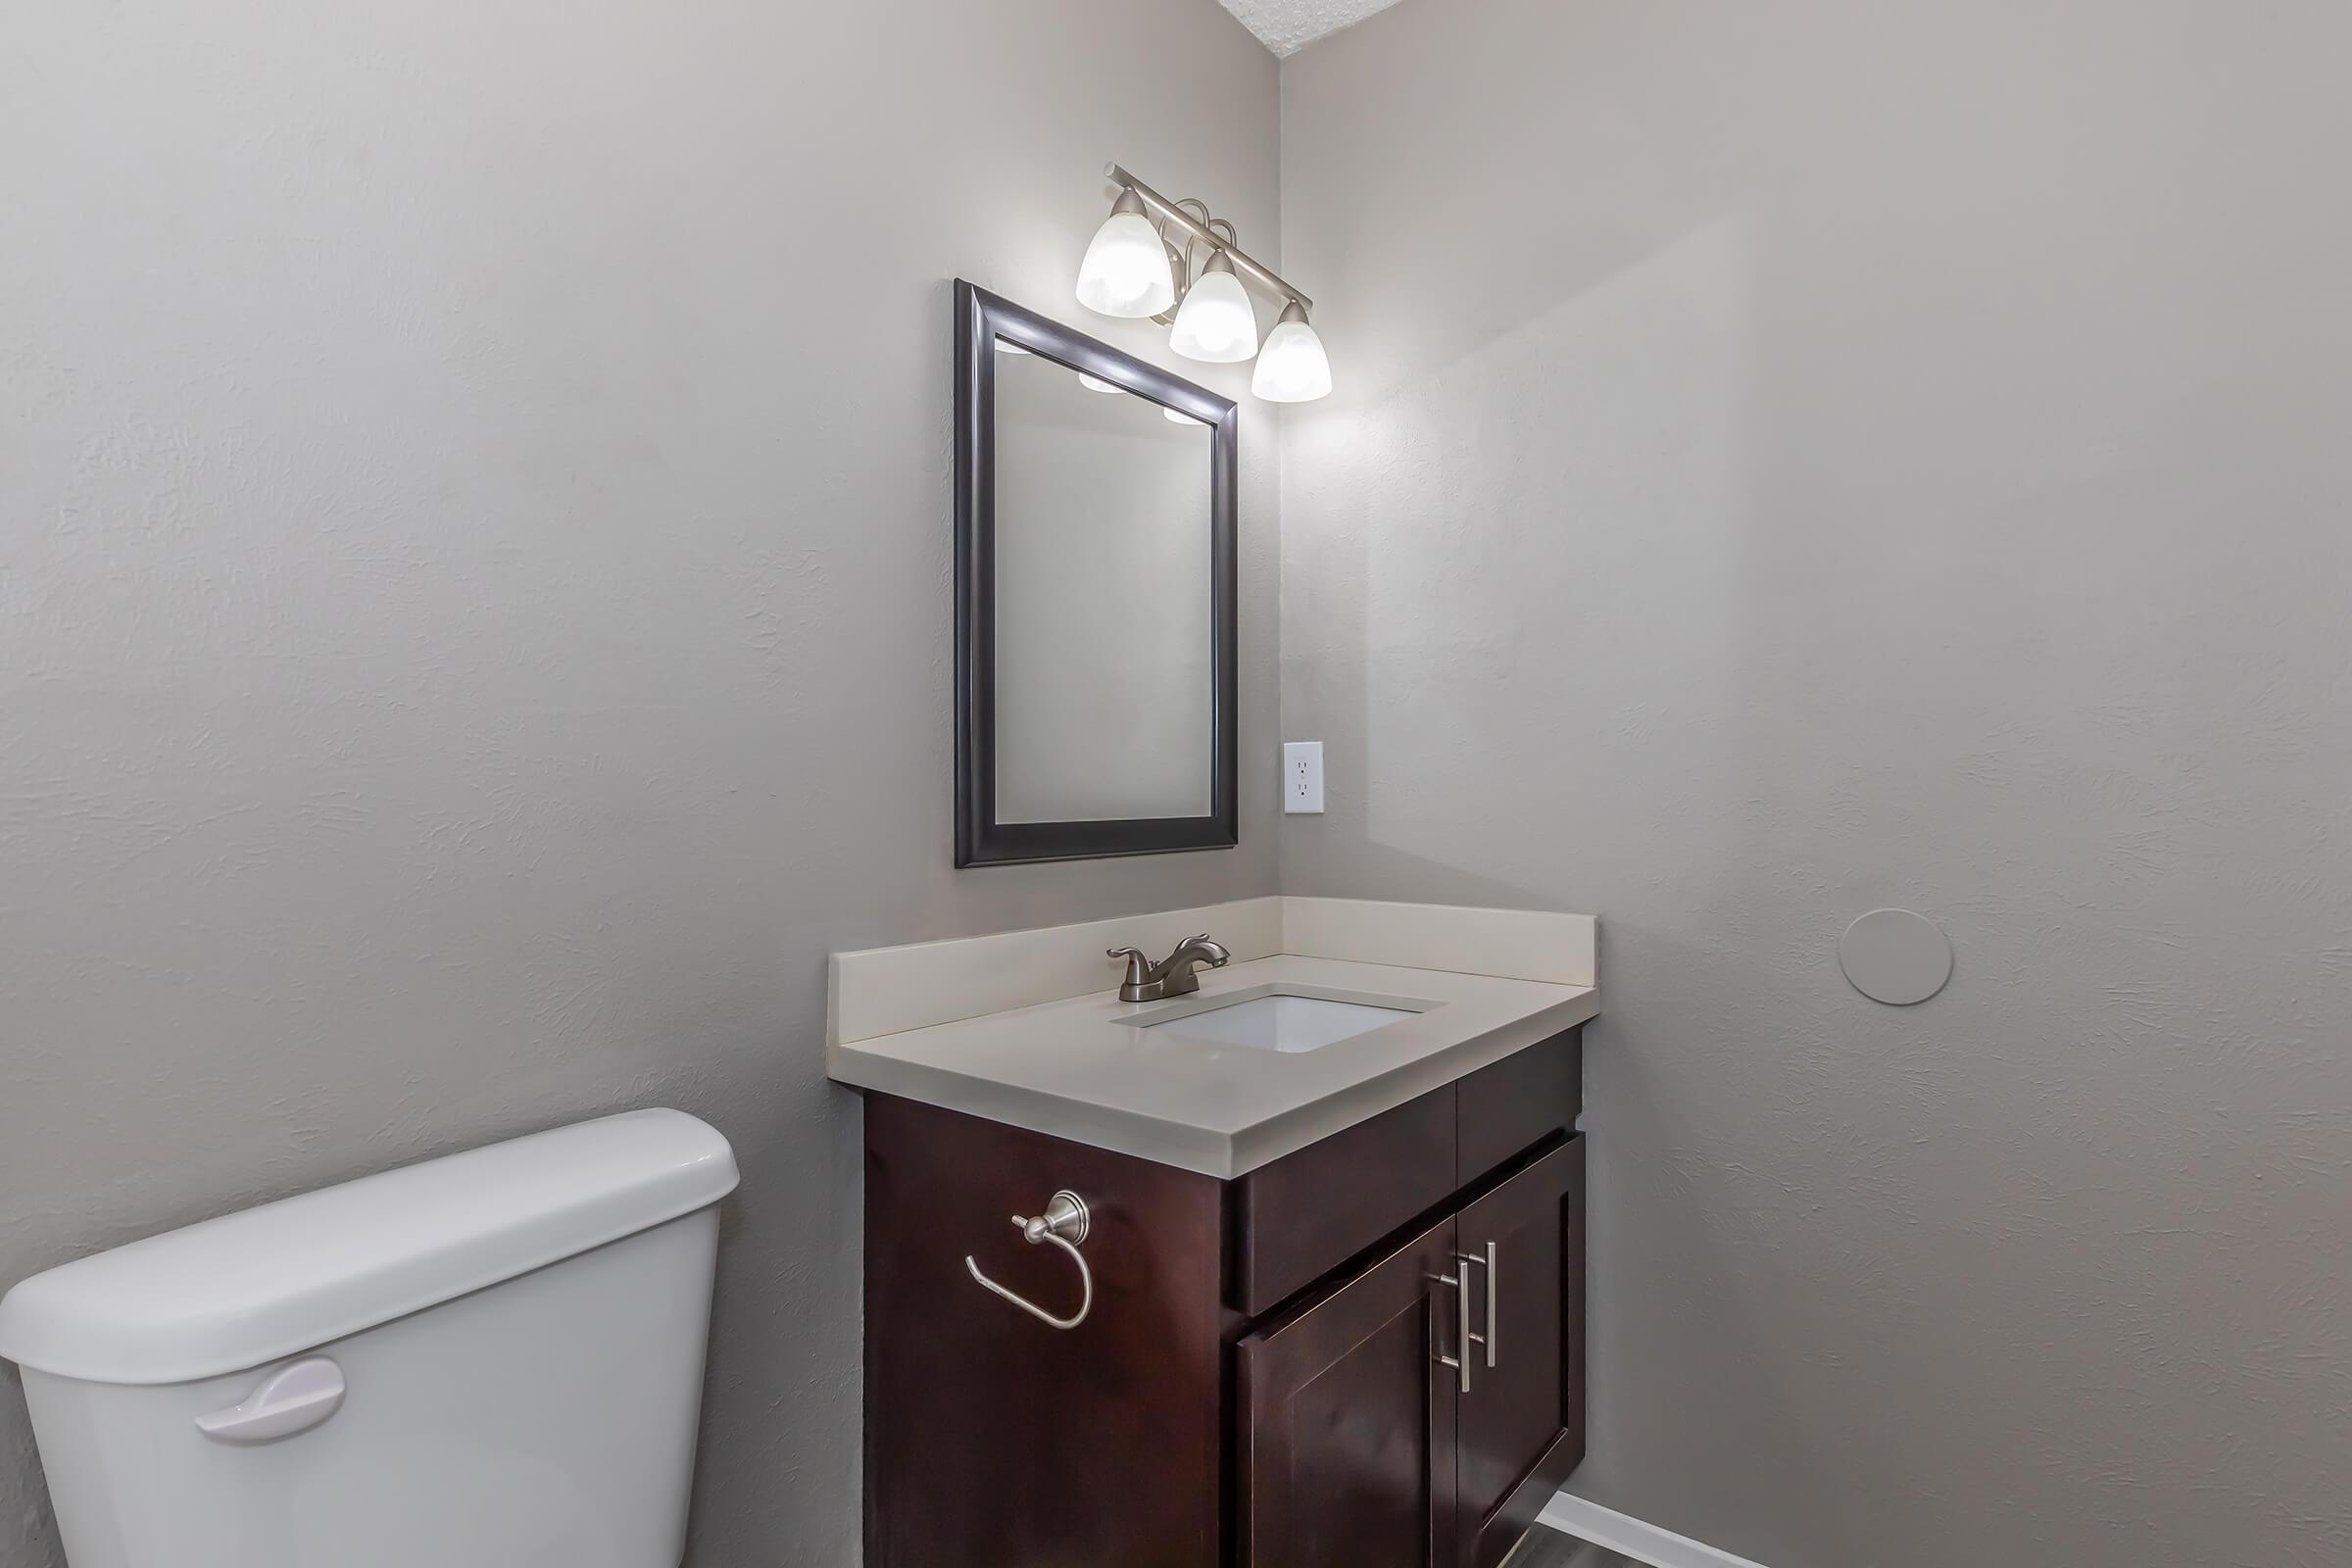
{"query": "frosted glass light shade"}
{"type": "Point", "coordinates": [1292, 368]}
{"type": "Point", "coordinates": [1126, 269]}
{"type": "Point", "coordinates": [1215, 324]}
{"type": "Point", "coordinates": [1095, 383]}
{"type": "Point", "coordinates": [1178, 416]}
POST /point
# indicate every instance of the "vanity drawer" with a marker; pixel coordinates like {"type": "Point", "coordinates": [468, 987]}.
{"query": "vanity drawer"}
{"type": "Point", "coordinates": [1522, 1100]}
{"type": "Point", "coordinates": [1296, 1220]}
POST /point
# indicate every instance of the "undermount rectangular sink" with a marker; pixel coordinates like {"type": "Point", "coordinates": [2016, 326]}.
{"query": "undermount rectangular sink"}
{"type": "Point", "coordinates": [1280, 1021]}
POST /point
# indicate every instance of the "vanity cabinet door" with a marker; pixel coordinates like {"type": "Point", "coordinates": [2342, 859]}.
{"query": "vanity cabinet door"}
{"type": "Point", "coordinates": [1348, 1422]}
{"type": "Point", "coordinates": [1522, 1424]}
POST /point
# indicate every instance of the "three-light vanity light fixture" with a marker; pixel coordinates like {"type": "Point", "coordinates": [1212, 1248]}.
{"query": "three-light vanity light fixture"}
{"type": "Point", "coordinates": [1135, 269]}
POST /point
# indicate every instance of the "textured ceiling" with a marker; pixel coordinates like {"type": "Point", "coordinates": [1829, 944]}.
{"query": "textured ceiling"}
{"type": "Point", "coordinates": [1289, 25]}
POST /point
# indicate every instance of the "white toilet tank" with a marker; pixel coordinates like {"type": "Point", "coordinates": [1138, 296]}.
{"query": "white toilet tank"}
{"type": "Point", "coordinates": [490, 1360]}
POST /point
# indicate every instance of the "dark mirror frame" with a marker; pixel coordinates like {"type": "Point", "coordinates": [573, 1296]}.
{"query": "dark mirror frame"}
{"type": "Point", "coordinates": [981, 318]}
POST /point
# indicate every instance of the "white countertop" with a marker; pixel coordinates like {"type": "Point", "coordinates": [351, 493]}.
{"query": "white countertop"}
{"type": "Point", "coordinates": [1082, 1068]}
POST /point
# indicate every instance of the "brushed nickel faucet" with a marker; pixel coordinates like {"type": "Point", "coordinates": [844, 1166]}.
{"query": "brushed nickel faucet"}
{"type": "Point", "coordinates": [1173, 975]}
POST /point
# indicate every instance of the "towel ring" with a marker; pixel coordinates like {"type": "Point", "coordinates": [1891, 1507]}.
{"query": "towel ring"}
{"type": "Point", "coordinates": [1063, 1223]}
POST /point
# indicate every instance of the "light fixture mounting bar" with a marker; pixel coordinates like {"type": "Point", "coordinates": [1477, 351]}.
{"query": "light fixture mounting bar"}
{"type": "Point", "coordinates": [1169, 211]}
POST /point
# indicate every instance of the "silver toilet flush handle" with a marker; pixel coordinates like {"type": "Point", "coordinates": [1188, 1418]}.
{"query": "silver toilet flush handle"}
{"type": "Point", "coordinates": [293, 1398]}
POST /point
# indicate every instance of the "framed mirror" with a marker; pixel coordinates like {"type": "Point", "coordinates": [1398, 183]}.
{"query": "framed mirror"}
{"type": "Point", "coordinates": [1095, 680]}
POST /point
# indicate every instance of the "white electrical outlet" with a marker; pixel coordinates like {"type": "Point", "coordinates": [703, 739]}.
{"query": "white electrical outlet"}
{"type": "Point", "coordinates": [1302, 777]}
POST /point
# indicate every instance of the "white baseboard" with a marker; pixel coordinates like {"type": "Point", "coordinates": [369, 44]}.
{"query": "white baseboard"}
{"type": "Point", "coordinates": [1631, 1538]}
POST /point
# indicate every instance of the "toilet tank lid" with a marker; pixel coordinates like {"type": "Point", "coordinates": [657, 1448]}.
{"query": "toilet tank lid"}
{"type": "Point", "coordinates": [248, 1288]}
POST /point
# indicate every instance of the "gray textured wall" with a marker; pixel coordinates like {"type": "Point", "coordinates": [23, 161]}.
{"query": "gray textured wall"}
{"type": "Point", "coordinates": [474, 595]}
{"type": "Point", "coordinates": [1795, 457]}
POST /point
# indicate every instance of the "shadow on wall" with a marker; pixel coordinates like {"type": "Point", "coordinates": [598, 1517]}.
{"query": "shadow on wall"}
{"type": "Point", "coordinates": [1816, 490]}
{"type": "Point", "coordinates": [1528, 568]}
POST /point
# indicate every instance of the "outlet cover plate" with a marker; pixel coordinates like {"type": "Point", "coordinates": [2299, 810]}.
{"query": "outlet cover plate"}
{"type": "Point", "coordinates": [1302, 777]}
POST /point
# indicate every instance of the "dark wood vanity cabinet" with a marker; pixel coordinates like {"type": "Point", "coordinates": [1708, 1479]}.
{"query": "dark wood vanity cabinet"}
{"type": "Point", "coordinates": [1349, 1425]}
{"type": "Point", "coordinates": [1355, 1451]}
{"type": "Point", "coordinates": [1370, 1352]}
{"type": "Point", "coordinates": [1521, 1424]}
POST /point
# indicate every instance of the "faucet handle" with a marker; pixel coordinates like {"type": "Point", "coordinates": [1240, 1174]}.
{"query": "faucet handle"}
{"type": "Point", "coordinates": [1139, 967]}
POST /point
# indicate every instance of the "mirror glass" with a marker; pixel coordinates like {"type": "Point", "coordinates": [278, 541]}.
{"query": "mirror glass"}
{"type": "Point", "coordinates": [1104, 574]}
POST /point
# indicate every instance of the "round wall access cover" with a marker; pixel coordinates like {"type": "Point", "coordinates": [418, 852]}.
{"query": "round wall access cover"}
{"type": "Point", "coordinates": [1897, 957]}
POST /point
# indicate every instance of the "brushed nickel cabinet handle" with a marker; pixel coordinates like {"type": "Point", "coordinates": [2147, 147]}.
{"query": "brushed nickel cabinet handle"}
{"type": "Point", "coordinates": [1064, 1224]}
{"type": "Point", "coordinates": [1494, 1296]}
{"type": "Point", "coordinates": [1459, 1279]}
{"type": "Point", "coordinates": [1469, 1262]}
